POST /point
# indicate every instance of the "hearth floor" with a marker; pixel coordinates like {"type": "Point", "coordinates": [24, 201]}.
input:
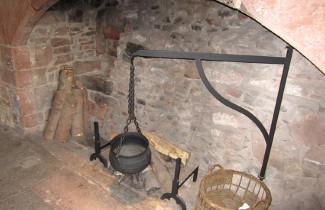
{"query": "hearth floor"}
{"type": "Point", "coordinates": [40, 174]}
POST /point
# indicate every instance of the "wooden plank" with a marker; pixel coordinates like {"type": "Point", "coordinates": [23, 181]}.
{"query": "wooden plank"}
{"type": "Point", "coordinates": [88, 132]}
{"type": "Point", "coordinates": [64, 127]}
{"type": "Point", "coordinates": [66, 79]}
{"type": "Point", "coordinates": [55, 114]}
{"type": "Point", "coordinates": [78, 118]}
{"type": "Point", "coordinates": [166, 148]}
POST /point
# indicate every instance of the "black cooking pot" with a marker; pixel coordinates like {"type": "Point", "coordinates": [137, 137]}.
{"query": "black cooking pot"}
{"type": "Point", "coordinates": [134, 155]}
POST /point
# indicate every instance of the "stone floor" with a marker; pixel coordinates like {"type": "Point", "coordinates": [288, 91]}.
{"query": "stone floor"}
{"type": "Point", "coordinates": [39, 174]}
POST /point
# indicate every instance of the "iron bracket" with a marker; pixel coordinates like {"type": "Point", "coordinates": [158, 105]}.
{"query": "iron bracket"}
{"type": "Point", "coordinates": [199, 57]}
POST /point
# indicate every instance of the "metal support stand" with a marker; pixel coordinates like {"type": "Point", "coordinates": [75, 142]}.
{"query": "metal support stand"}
{"type": "Point", "coordinates": [175, 186]}
{"type": "Point", "coordinates": [199, 57]}
{"type": "Point", "coordinates": [98, 147]}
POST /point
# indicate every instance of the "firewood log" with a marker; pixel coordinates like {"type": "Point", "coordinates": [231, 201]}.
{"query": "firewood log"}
{"type": "Point", "coordinates": [62, 132]}
{"type": "Point", "coordinates": [57, 107]}
{"type": "Point", "coordinates": [66, 79]}
{"type": "Point", "coordinates": [166, 148]}
{"type": "Point", "coordinates": [88, 132]}
{"type": "Point", "coordinates": [78, 118]}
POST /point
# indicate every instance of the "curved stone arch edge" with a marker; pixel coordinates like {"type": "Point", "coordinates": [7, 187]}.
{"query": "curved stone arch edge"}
{"type": "Point", "coordinates": [39, 7]}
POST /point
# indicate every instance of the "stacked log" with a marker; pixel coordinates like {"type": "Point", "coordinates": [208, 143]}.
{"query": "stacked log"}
{"type": "Point", "coordinates": [58, 104]}
{"type": "Point", "coordinates": [78, 119]}
{"type": "Point", "coordinates": [67, 114]}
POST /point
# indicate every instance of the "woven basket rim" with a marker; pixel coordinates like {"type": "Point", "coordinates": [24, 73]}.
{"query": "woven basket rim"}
{"type": "Point", "coordinates": [218, 172]}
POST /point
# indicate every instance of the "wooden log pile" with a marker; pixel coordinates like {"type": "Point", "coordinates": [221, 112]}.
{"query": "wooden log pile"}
{"type": "Point", "coordinates": [67, 115]}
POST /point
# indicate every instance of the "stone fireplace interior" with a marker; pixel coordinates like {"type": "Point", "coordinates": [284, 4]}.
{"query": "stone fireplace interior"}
{"type": "Point", "coordinates": [41, 37]}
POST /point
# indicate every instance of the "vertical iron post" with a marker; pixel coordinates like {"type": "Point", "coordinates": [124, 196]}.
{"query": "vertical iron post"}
{"type": "Point", "coordinates": [276, 112]}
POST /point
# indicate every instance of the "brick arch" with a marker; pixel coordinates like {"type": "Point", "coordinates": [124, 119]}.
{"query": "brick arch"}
{"type": "Point", "coordinates": [18, 19]}
{"type": "Point", "coordinates": [300, 23]}
{"type": "Point", "coordinates": [297, 23]}
{"type": "Point", "coordinates": [35, 10]}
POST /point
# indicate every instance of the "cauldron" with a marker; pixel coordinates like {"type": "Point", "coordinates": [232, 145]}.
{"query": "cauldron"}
{"type": "Point", "coordinates": [134, 155]}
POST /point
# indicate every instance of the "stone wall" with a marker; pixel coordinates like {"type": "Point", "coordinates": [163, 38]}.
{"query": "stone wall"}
{"type": "Point", "coordinates": [6, 86]}
{"type": "Point", "coordinates": [171, 100]}
{"type": "Point", "coordinates": [296, 22]}
{"type": "Point", "coordinates": [63, 38]}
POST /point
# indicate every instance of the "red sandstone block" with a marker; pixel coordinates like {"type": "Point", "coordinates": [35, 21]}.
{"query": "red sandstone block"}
{"type": "Point", "coordinates": [237, 93]}
{"type": "Point", "coordinates": [24, 78]}
{"type": "Point", "coordinates": [63, 59]}
{"type": "Point", "coordinates": [62, 50]}
{"type": "Point", "coordinates": [307, 128]}
{"type": "Point", "coordinates": [99, 40]}
{"type": "Point", "coordinates": [31, 120]}
{"type": "Point", "coordinates": [62, 31]}
{"type": "Point", "coordinates": [5, 57]}
{"type": "Point", "coordinates": [87, 47]}
{"type": "Point", "coordinates": [43, 56]}
{"type": "Point", "coordinates": [51, 17]}
{"type": "Point", "coordinates": [100, 47]}
{"type": "Point", "coordinates": [39, 76]}
{"type": "Point", "coordinates": [87, 40]}
{"type": "Point", "coordinates": [81, 67]}
{"type": "Point", "coordinates": [83, 39]}
{"type": "Point", "coordinates": [37, 4]}
{"type": "Point", "coordinates": [21, 58]}
{"type": "Point", "coordinates": [26, 101]}
{"type": "Point", "coordinates": [8, 76]}
{"type": "Point", "coordinates": [112, 32]}
{"type": "Point", "coordinates": [56, 42]}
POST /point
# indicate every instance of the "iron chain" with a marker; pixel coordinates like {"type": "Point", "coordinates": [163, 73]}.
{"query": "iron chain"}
{"type": "Point", "coordinates": [131, 116]}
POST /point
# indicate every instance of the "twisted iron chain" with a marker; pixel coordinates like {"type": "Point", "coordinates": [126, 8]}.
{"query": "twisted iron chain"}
{"type": "Point", "coordinates": [131, 116]}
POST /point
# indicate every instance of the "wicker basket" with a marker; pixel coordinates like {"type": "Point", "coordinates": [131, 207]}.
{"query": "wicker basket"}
{"type": "Point", "coordinates": [228, 189]}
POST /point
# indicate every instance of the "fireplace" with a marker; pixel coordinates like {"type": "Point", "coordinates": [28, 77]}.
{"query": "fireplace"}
{"type": "Point", "coordinates": [171, 101]}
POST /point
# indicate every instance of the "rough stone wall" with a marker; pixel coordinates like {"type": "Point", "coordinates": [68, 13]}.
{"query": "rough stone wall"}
{"type": "Point", "coordinates": [13, 10]}
{"type": "Point", "coordinates": [6, 87]}
{"type": "Point", "coordinates": [299, 23]}
{"type": "Point", "coordinates": [63, 38]}
{"type": "Point", "coordinates": [172, 102]}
